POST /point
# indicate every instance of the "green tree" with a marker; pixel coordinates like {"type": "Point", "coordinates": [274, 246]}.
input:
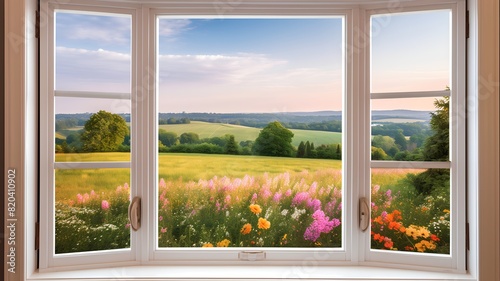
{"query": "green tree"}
{"type": "Point", "coordinates": [400, 140]}
{"type": "Point", "coordinates": [167, 138]}
{"type": "Point", "coordinates": [104, 132]}
{"type": "Point", "coordinates": [436, 147]}
{"type": "Point", "coordinates": [338, 152]}
{"type": "Point", "coordinates": [378, 153]}
{"type": "Point", "coordinates": [308, 150]}
{"type": "Point", "coordinates": [301, 150]}
{"type": "Point", "coordinates": [231, 146]}
{"type": "Point", "coordinates": [189, 138]}
{"type": "Point", "coordinates": [274, 140]}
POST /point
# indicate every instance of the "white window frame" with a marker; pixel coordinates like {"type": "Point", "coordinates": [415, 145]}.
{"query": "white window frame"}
{"type": "Point", "coordinates": [479, 249]}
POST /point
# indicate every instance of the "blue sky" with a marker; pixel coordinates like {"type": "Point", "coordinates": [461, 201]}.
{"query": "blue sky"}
{"type": "Point", "coordinates": [248, 65]}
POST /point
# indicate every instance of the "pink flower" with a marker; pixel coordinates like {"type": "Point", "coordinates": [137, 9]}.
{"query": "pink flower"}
{"type": "Point", "coordinates": [254, 198]}
{"type": "Point", "coordinates": [105, 205]}
{"type": "Point", "coordinates": [288, 193]}
{"type": "Point", "coordinates": [127, 226]}
{"type": "Point", "coordinates": [277, 197]}
{"type": "Point", "coordinates": [299, 198]}
{"type": "Point", "coordinates": [321, 224]}
{"type": "Point", "coordinates": [163, 230]}
{"type": "Point", "coordinates": [79, 198]}
{"type": "Point", "coordinates": [160, 218]}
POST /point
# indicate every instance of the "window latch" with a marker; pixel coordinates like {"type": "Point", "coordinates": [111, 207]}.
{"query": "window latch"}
{"type": "Point", "coordinates": [134, 213]}
{"type": "Point", "coordinates": [364, 214]}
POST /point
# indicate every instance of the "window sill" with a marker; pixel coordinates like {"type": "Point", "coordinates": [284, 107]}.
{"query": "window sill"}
{"type": "Point", "coordinates": [249, 273]}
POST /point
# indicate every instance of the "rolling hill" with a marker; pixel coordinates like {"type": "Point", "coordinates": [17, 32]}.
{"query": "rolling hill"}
{"type": "Point", "coordinates": [242, 133]}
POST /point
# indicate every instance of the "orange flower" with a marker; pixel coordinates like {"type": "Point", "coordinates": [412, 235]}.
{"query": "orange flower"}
{"type": "Point", "coordinates": [388, 243]}
{"type": "Point", "coordinates": [376, 237]}
{"type": "Point", "coordinates": [255, 209]}
{"type": "Point", "coordinates": [378, 220]}
{"type": "Point", "coordinates": [394, 225]}
{"type": "Point", "coordinates": [434, 238]}
{"type": "Point", "coordinates": [402, 229]}
{"type": "Point", "coordinates": [263, 223]}
{"type": "Point", "coordinates": [207, 245]}
{"type": "Point", "coordinates": [246, 229]}
{"type": "Point", "coordinates": [223, 243]}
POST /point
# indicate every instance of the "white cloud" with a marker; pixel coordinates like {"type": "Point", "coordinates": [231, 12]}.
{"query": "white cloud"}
{"type": "Point", "coordinates": [92, 70]}
{"type": "Point", "coordinates": [115, 30]}
{"type": "Point", "coordinates": [171, 27]}
{"type": "Point", "coordinates": [222, 68]}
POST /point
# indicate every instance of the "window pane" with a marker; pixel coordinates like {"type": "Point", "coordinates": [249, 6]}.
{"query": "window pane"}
{"type": "Point", "coordinates": [92, 130]}
{"type": "Point", "coordinates": [411, 210]}
{"type": "Point", "coordinates": [250, 122]}
{"type": "Point", "coordinates": [410, 51]}
{"type": "Point", "coordinates": [91, 210]}
{"type": "Point", "coordinates": [413, 129]}
{"type": "Point", "coordinates": [93, 52]}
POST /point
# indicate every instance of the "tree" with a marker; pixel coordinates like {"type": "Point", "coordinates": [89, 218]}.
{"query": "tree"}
{"type": "Point", "coordinates": [231, 146]}
{"type": "Point", "coordinates": [436, 147]}
{"type": "Point", "coordinates": [167, 138]}
{"type": "Point", "coordinates": [301, 150]}
{"type": "Point", "coordinates": [308, 150]}
{"type": "Point", "coordinates": [378, 153]}
{"type": "Point", "coordinates": [189, 138]}
{"type": "Point", "coordinates": [400, 140]}
{"type": "Point", "coordinates": [274, 140]}
{"type": "Point", "coordinates": [104, 132]}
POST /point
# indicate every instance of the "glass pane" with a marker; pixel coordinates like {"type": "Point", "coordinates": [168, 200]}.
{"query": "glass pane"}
{"type": "Point", "coordinates": [91, 210]}
{"type": "Point", "coordinates": [250, 121]}
{"type": "Point", "coordinates": [93, 52]}
{"type": "Point", "coordinates": [411, 210]}
{"type": "Point", "coordinates": [410, 51]}
{"type": "Point", "coordinates": [414, 129]}
{"type": "Point", "coordinates": [92, 130]}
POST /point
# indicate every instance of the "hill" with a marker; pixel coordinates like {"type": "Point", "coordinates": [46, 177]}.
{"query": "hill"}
{"type": "Point", "coordinates": [242, 133]}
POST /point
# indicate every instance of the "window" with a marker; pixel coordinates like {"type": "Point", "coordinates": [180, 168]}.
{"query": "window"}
{"type": "Point", "coordinates": [187, 105]}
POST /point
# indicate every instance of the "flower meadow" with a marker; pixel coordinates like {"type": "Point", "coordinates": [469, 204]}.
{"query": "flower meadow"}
{"type": "Point", "coordinates": [92, 222]}
{"type": "Point", "coordinates": [300, 209]}
{"type": "Point", "coordinates": [406, 221]}
{"type": "Point", "coordinates": [290, 209]}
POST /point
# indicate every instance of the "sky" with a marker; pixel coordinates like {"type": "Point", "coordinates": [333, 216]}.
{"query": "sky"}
{"type": "Point", "coordinates": [237, 65]}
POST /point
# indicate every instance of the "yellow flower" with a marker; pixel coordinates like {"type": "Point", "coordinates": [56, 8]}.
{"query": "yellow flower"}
{"type": "Point", "coordinates": [223, 243]}
{"type": "Point", "coordinates": [246, 229]}
{"type": "Point", "coordinates": [424, 245]}
{"type": "Point", "coordinates": [255, 209]}
{"type": "Point", "coordinates": [446, 211]}
{"type": "Point", "coordinates": [263, 223]}
{"type": "Point", "coordinates": [207, 245]}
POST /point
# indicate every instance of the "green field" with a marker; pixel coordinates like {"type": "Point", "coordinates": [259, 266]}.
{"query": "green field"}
{"type": "Point", "coordinates": [192, 167]}
{"type": "Point", "coordinates": [172, 166]}
{"type": "Point", "coordinates": [242, 133]}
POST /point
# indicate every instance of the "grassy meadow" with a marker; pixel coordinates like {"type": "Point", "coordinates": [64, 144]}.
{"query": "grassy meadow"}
{"type": "Point", "coordinates": [242, 133]}
{"type": "Point", "coordinates": [192, 167]}
{"type": "Point", "coordinates": [243, 201]}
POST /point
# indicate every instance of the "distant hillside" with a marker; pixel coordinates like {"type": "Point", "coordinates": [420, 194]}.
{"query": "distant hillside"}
{"type": "Point", "coordinates": [242, 133]}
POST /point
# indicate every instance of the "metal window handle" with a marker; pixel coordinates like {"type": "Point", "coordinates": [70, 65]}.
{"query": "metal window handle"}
{"type": "Point", "coordinates": [134, 213]}
{"type": "Point", "coordinates": [364, 214]}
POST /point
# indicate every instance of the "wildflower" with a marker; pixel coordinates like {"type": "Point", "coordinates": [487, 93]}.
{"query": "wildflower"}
{"type": "Point", "coordinates": [284, 212]}
{"type": "Point", "coordinates": [105, 205]}
{"type": "Point", "coordinates": [434, 238]}
{"type": "Point", "coordinates": [79, 198]}
{"type": "Point", "coordinates": [314, 204]}
{"type": "Point", "coordinates": [254, 208]}
{"type": "Point", "coordinates": [254, 198]}
{"type": "Point", "coordinates": [288, 193]}
{"type": "Point", "coordinates": [424, 245]}
{"type": "Point", "coordinates": [277, 197]}
{"type": "Point", "coordinates": [246, 229]}
{"type": "Point", "coordinates": [321, 224]}
{"type": "Point", "coordinates": [223, 243]}
{"type": "Point", "coordinates": [160, 218]}
{"type": "Point", "coordinates": [388, 243]}
{"type": "Point", "coordinates": [163, 230]}
{"type": "Point", "coordinates": [299, 198]}
{"type": "Point", "coordinates": [207, 245]}
{"type": "Point", "coordinates": [127, 226]}
{"type": "Point", "coordinates": [263, 224]}
{"type": "Point", "coordinates": [375, 189]}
